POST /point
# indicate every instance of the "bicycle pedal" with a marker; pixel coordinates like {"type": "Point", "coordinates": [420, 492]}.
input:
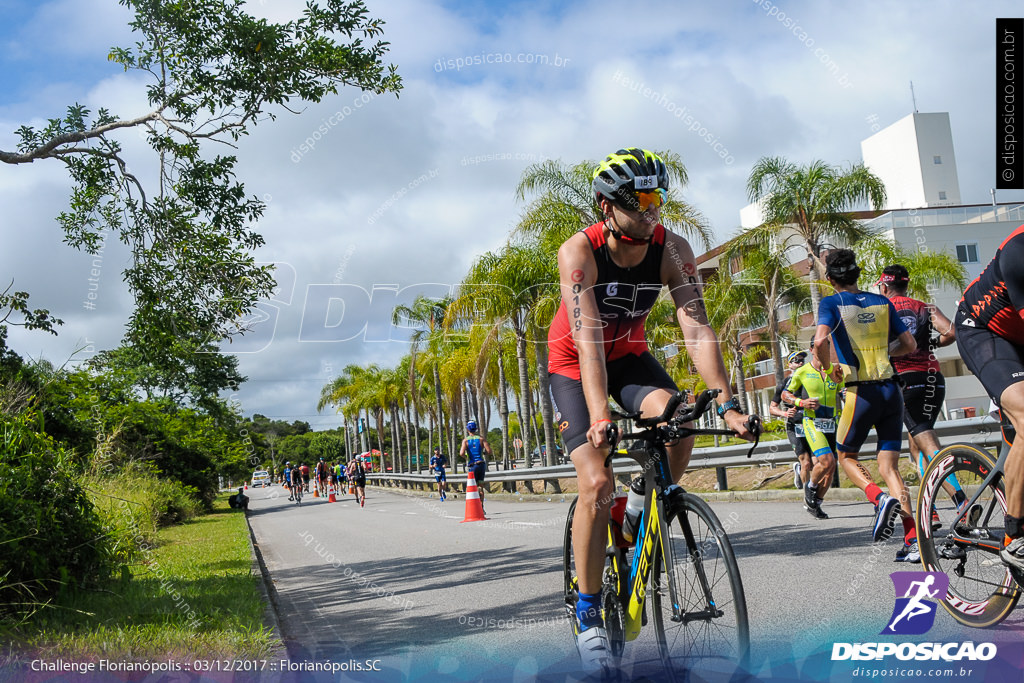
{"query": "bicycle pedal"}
{"type": "Point", "coordinates": [952, 552]}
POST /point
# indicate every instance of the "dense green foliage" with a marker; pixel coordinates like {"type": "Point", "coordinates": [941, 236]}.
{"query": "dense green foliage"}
{"type": "Point", "coordinates": [52, 535]}
{"type": "Point", "coordinates": [90, 468]}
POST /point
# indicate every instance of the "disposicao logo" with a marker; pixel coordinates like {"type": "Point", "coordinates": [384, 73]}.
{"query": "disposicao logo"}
{"type": "Point", "coordinates": [917, 594]}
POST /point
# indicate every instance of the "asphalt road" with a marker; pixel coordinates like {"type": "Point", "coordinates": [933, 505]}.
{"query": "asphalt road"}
{"type": "Point", "coordinates": [404, 582]}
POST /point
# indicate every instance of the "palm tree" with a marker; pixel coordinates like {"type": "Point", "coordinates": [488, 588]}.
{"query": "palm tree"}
{"type": "Point", "coordinates": [811, 204]}
{"type": "Point", "coordinates": [430, 314]}
{"type": "Point", "coordinates": [771, 285]}
{"type": "Point", "coordinates": [928, 268]}
{"type": "Point", "coordinates": [731, 311]}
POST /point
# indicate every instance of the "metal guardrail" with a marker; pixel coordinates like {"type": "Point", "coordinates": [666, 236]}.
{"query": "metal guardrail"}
{"type": "Point", "coordinates": [980, 431]}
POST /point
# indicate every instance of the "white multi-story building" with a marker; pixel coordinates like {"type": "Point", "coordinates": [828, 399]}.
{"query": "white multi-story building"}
{"type": "Point", "coordinates": [914, 158]}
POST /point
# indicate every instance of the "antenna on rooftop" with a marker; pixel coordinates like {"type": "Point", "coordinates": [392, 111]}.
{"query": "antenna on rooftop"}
{"type": "Point", "coordinates": [912, 96]}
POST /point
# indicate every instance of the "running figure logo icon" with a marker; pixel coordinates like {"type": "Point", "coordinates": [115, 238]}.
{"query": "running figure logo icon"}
{"type": "Point", "coordinates": [916, 596]}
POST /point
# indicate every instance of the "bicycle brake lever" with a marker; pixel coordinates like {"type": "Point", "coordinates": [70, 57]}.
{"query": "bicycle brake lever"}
{"type": "Point", "coordinates": [754, 425]}
{"type": "Point", "coordinates": [611, 433]}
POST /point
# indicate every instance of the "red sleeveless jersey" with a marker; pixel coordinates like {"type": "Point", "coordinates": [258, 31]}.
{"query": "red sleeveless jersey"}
{"type": "Point", "coordinates": [624, 297]}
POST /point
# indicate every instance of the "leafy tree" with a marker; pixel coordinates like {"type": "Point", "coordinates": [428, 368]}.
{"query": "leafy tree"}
{"type": "Point", "coordinates": [37, 319]}
{"type": "Point", "coordinates": [213, 73]}
{"type": "Point", "coordinates": [327, 446]}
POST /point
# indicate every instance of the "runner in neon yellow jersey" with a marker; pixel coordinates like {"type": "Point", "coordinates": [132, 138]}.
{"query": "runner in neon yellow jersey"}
{"type": "Point", "coordinates": [818, 426]}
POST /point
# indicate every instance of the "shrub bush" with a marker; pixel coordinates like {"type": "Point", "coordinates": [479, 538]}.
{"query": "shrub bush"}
{"type": "Point", "coordinates": [52, 537]}
{"type": "Point", "coordinates": [133, 503]}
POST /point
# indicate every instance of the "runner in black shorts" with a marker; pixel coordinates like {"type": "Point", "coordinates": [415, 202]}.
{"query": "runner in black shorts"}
{"type": "Point", "coordinates": [610, 275]}
{"type": "Point", "coordinates": [802, 468]}
{"type": "Point", "coordinates": [924, 387]}
{"type": "Point", "coordinates": [990, 335]}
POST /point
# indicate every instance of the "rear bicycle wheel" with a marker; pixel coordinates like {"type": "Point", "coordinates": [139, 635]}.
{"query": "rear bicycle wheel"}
{"type": "Point", "coordinates": [982, 590]}
{"type": "Point", "coordinates": [705, 627]}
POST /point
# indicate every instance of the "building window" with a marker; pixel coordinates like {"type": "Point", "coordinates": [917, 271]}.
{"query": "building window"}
{"type": "Point", "coordinates": [967, 253]}
{"type": "Point", "coordinates": [937, 159]}
{"type": "Point", "coordinates": [942, 196]}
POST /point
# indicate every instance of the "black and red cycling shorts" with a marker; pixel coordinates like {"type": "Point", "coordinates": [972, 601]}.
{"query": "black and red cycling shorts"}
{"type": "Point", "coordinates": [630, 380]}
{"type": "Point", "coordinates": [994, 360]}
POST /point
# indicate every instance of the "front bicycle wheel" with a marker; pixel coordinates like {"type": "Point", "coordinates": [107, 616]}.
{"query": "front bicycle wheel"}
{"type": "Point", "coordinates": [982, 591]}
{"type": "Point", "coordinates": [700, 610]}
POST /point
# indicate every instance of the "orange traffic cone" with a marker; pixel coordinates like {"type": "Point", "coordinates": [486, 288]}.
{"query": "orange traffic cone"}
{"type": "Point", "coordinates": [316, 492]}
{"type": "Point", "coordinates": [330, 497]}
{"type": "Point", "coordinates": [474, 508]}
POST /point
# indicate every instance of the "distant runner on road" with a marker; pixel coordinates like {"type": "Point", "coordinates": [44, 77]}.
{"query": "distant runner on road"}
{"type": "Point", "coordinates": [476, 446]}
{"type": "Point", "coordinates": [437, 464]}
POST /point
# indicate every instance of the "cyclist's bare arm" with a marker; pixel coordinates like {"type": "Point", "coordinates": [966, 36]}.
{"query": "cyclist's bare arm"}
{"type": "Point", "coordinates": [577, 275]}
{"type": "Point", "coordinates": [679, 272]}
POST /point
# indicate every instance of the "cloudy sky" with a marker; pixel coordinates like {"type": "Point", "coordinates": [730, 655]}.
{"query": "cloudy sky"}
{"type": "Point", "coordinates": [374, 199]}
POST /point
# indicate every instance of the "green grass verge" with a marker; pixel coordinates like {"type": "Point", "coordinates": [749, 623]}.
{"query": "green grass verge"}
{"type": "Point", "coordinates": [191, 596]}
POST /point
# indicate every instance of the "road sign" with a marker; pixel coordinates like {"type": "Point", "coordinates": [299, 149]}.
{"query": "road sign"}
{"type": "Point", "coordinates": [518, 443]}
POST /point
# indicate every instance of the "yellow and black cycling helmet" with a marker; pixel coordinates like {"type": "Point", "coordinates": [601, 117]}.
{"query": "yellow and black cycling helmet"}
{"type": "Point", "coordinates": [630, 177]}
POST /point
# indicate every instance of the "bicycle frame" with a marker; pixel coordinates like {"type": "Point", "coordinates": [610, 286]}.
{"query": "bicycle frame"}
{"type": "Point", "coordinates": [653, 533]}
{"type": "Point", "coordinates": [992, 478]}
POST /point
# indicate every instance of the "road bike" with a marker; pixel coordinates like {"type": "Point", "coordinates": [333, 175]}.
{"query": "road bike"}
{"type": "Point", "coordinates": [964, 542]}
{"type": "Point", "coordinates": [682, 553]}
{"type": "Point", "coordinates": [297, 490]}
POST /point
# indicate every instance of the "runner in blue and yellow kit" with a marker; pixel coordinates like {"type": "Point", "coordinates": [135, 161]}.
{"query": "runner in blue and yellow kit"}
{"type": "Point", "coordinates": [476, 447]}
{"type": "Point", "coordinates": [866, 331]}
{"type": "Point", "coordinates": [817, 427]}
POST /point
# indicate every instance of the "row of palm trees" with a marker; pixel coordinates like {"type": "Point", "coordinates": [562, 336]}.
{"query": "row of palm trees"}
{"type": "Point", "coordinates": [485, 346]}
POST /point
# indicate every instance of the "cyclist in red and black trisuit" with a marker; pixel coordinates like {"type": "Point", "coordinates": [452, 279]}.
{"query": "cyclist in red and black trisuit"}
{"type": "Point", "coordinates": [990, 336]}
{"type": "Point", "coordinates": [610, 276]}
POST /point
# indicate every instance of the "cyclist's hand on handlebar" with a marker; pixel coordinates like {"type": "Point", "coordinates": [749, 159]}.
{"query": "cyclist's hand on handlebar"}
{"type": "Point", "coordinates": [597, 435]}
{"type": "Point", "coordinates": [738, 423]}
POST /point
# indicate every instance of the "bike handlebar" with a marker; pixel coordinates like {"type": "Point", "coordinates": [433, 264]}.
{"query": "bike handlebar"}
{"type": "Point", "coordinates": [674, 423]}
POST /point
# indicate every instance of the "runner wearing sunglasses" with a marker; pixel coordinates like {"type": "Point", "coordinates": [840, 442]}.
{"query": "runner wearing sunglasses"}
{"type": "Point", "coordinates": [611, 274]}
